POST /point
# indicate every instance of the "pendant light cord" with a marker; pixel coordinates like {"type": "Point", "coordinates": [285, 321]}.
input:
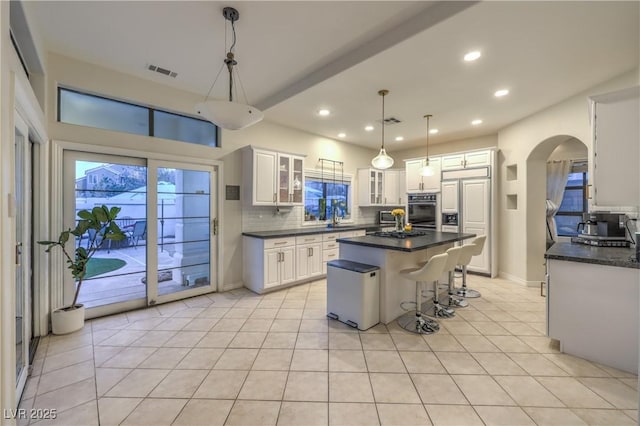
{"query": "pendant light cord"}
{"type": "Point", "coordinates": [428, 116]}
{"type": "Point", "coordinates": [383, 95]}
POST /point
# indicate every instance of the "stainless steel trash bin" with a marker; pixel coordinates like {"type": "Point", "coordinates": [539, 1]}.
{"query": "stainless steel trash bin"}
{"type": "Point", "coordinates": [353, 293]}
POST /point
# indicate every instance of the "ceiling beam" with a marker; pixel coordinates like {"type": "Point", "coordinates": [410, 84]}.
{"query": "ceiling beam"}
{"type": "Point", "coordinates": [430, 16]}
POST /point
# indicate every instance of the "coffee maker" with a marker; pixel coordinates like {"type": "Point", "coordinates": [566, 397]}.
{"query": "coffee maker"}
{"type": "Point", "coordinates": [602, 229]}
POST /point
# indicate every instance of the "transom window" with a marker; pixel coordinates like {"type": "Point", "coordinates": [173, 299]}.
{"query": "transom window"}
{"type": "Point", "coordinates": [83, 109]}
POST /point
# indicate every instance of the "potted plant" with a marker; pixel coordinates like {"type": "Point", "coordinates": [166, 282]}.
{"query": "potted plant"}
{"type": "Point", "coordinates": [102, 221]}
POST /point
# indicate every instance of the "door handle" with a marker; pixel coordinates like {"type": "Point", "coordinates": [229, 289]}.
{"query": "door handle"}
{"type": "Point", "coordinates": [18, 253]}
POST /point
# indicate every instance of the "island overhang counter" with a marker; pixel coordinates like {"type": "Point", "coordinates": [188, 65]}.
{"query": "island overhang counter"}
{"type": "Point", "coordinates": [392, 255]}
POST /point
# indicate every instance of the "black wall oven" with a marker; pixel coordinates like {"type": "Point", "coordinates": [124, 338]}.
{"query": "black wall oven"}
{"type": "Point", "coordinates": [422, 210]}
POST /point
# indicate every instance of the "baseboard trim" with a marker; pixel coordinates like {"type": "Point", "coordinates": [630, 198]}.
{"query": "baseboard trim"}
{"type": "Point", "coordinates": [518, 280]}
{"type": "Point", "coordinates": [232, 286]}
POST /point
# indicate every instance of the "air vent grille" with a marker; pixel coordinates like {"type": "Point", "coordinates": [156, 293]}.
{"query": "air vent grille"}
{"type": "Point", "coordinates": [162, 71]}
{"type": "Point", "coordinates": [390, 120]}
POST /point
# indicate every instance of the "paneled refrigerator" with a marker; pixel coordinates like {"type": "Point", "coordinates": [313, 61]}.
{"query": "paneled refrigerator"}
{"type": "Point", "coordinates": [466, 207]}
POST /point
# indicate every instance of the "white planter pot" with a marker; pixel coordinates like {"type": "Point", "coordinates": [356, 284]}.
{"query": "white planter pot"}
{"type": "Point", "coordinates": [67, 321]}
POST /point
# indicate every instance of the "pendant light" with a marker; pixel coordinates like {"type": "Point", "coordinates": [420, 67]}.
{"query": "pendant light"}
{"type": "Point", "coordinates": [427, 170]}
{"type": "Point", "coordinates": [229, 115]}
{"type": "Point", "coordinates": [382, 160]}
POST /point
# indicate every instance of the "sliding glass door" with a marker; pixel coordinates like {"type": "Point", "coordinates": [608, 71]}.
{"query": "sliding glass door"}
{"type": "Point", "coordinates": [23, 271]}
{"type": "Point", "coordinates": [166, 214]}
{"type": "Point", "coordinates": [185, 228]}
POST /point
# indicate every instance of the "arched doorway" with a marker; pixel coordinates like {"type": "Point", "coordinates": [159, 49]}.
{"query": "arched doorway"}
{"type": "Point", "coordinates": [536, 194]}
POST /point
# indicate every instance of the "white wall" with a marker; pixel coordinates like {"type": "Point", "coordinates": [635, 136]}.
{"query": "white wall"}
{"type": "Point", "coordinates": [521, 234]}
{"type": "Point", "coordinates": [571, 149]}
{"type": "Point", "coordinates": [488, 141]}
{"type": "Point", "coordinates": [92, 78]}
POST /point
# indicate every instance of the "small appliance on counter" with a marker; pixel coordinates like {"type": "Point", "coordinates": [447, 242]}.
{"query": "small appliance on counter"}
{"type": "Point", "coordinates": [602, 230]}
{"type": "Point", "coordinates": [386, 218]}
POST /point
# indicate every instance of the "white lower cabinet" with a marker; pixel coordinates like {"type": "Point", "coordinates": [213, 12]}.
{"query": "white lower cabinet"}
{"type": "Point", "coordinates": [271, 263]}
{"type": "Point", "coordinates": [308, 261]}
{"type": "Point", "coordinates": [279, 266]}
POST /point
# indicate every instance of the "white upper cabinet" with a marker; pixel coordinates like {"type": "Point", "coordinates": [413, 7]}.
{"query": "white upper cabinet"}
{"type": "Point", "coordinates": [449, 197]}
{"type": "Point", "coordinates": [394, 192]}
{"type": "Point", "coordinates": [381, 187]}
{"type": "Point", "coordinates": [264, 177]}
{"type": "Point", "coordinates": [274, 178]}
{"type": "Point", "coordinates": [616, 176]}
{"type": "Point", "coordinates": [466, 160]}
{"type": "Point", "coordinates": [416, 183]}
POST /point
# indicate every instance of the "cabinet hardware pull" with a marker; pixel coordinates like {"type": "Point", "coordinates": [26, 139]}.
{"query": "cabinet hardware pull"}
{"type": "Point", "coordinates": [214, 226]}
{"type": "Point", "coordinates": [279, 243]}
{"type": "Point", "coordinates": [274, 197]}
{"type": "Point", "coordinates": [308, 239]}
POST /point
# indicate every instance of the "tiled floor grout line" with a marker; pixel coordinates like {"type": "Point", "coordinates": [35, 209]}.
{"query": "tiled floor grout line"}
{"type": "Point", "coordinates": [455, 334]}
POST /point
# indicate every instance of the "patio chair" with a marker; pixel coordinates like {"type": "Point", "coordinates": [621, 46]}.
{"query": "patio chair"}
{"type": "Point", "coordinates": [139, 232]}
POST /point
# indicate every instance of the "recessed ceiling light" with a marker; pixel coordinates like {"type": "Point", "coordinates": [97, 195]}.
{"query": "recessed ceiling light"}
{"type": "Point", "coordinates": [472, 56]}
{"type": "Point", "coordinates": [342, 135]}
{"type": "Point", "coordinates": [369, 128]}
{"type": "Point", "coordinates": [324, 112]}
{"type": "Point", "coordinates": [434, 131]}
{"type": "Point", "coordinates": [399, 138]}
{"type": "Point", "coordinates": [500, 93]}
{"type": "Point", "coordinates": [476, 122]}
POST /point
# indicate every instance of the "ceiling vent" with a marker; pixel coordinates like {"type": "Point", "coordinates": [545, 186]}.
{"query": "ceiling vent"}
{"type": "Point", "coordinates": [162, 71]}
{"type": "Point", "coordinates": [391, 120]}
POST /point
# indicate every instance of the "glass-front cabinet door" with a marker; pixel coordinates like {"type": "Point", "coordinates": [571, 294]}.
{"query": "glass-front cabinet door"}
{"type": "Point", "coordinates": [375, 186]}
{"type": "Point", "coordinates": [284, 179]}
{"type": "Point", "coordinates": [297, 184]}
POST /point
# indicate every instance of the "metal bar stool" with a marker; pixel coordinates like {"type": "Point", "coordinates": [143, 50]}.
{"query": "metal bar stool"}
{"type": "Point", "coordinates": [475, 249]}
{"type": "Point", "coordinates": [437, 309]}
{"type": "Point", "coordinates": [430, 272]}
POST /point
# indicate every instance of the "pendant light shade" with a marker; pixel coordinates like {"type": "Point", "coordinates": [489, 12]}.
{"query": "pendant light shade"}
{"type": "Point", "coordinates": [229, 115]}
{"type": "Point", "coordinates": [382, 160]}
{"type": "Point", "coordinates": [427, 170]}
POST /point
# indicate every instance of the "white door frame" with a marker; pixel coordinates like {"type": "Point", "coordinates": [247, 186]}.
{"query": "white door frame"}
{"type": "Point", "coordinates": [23, 253]}
{"type": "Point", "coordinates": [58, 147]}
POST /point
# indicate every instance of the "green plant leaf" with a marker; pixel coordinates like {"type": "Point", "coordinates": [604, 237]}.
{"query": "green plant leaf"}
{"type": "Point", "coordinates": [113, 213]}
{"type": "Point", "coordinates": [100, 214]}
{"type": "Point", "coordinates": [84, 214]}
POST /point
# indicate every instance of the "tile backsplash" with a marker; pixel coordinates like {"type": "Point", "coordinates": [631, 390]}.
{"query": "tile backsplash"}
{"type": "Point", "coordinates": [270, 218]}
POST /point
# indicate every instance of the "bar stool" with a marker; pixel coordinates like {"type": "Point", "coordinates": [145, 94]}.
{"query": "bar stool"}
{"type": "Point", "coordinates": [430, 272]}
{"type": "Point", "coordinates": [475, 248]}
{"type": "Point", "coordinates": [450, 268]}
{"type": "Point", "coordinates": [437, 309]}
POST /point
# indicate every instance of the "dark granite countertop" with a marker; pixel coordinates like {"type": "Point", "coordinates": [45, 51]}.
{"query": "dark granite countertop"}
{"type": "Point", "coordinates": [611, 256]}
{"type": "Point", "coordinates": [434, 238]}
{"type": "Point", "coordinates": [309, 231]}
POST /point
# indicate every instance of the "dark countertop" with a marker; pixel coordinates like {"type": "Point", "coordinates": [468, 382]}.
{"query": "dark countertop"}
{"type": "Point", "coordinates": [611, 256]}
{"type": "Point", "coordinates": [434, 238]}
{"type": "Point", "coordinates": [309, 231]}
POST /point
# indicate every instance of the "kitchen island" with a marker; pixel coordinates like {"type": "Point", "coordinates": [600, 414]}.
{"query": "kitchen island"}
{"type": "Point", "coordinates": [592, 303]}
{"type": "Point", "coordinates": [393, 255]}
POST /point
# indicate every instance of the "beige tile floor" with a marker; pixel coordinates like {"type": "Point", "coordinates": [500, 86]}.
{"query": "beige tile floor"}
{"type": "Point", "coordinates": [237, 358]}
